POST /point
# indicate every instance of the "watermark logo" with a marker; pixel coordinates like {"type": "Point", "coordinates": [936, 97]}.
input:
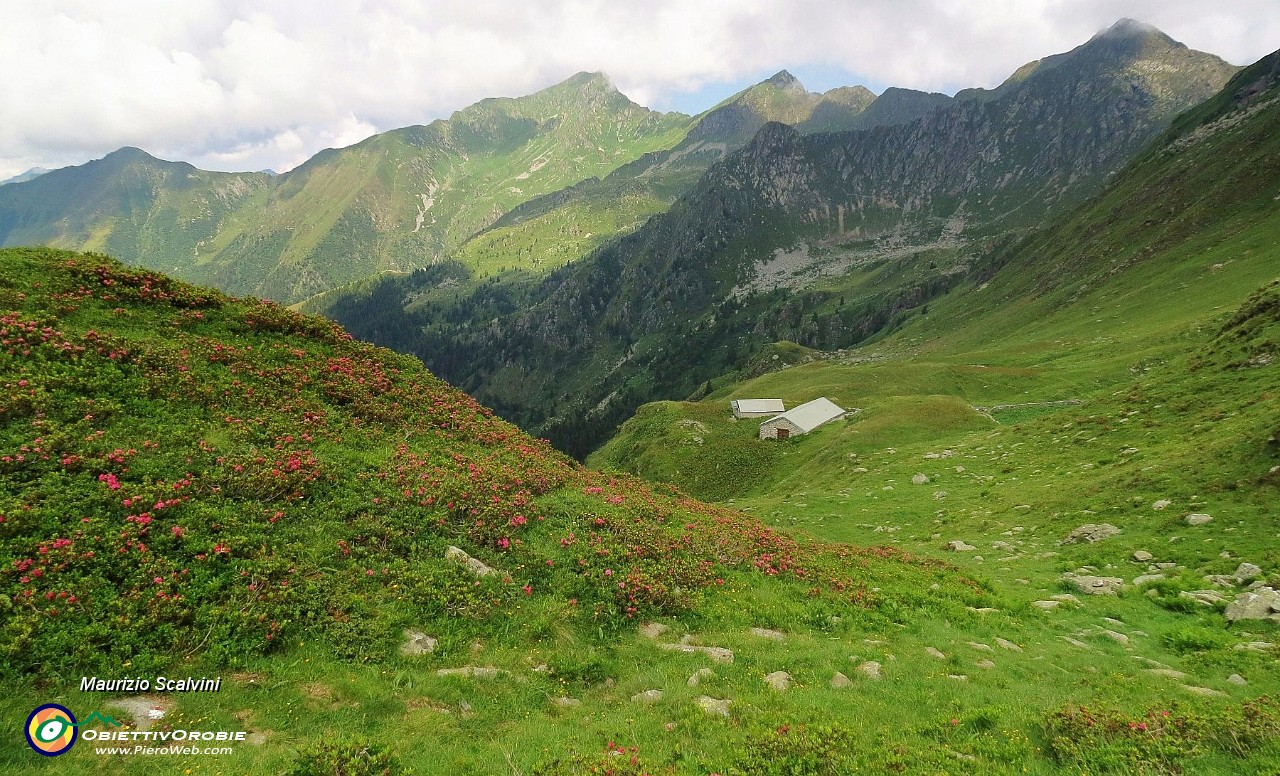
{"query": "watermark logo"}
{"type": "Point", "coordinates": [51, 729]}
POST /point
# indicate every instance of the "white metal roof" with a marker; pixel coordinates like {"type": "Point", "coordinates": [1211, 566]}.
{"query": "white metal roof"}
{"type": "Point", "coordinates": [759, 405]}
{"type": "Point", "coordinates": [810, 415]}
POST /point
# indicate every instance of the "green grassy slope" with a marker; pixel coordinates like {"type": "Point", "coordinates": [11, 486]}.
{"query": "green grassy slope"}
{"type": "Point", "coordinates": [195, 485]}
{"type": "Point", "coordinates": [1118, 367]}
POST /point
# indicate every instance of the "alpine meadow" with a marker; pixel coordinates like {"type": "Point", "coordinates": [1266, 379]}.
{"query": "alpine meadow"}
{"type": "Point", "coordinates": [462, 449]}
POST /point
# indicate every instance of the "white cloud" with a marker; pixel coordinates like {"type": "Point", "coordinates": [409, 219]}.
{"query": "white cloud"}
{"type": "Point", "coordinates": [233, 84]}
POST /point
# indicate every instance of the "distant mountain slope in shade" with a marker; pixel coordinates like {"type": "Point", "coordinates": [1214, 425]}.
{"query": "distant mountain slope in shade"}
{"type": "Point", "coordinates": [395, 201]}
{"type": "Point", "coordinates": [575, 355]}
{"type": "Point", "coordinates": [552, 230]}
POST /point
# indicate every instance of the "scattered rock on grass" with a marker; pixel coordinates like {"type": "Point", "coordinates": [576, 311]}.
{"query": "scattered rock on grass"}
{"type": "Point", "coordinates": [1254, 646]}
{"type": "Point", "coordinates": [1048, 606]}
{"type": "Point", "coordinates": [768, 633]}
{"type": "Point", "coordinates": [697, 676]}
{"type": "Point", "coordinates": [1197, 518]}
{"type": "Point", "coordinates": [920, 479]}
{"type": "Point", "coordinates": [935, 652]}
{"type": "Point", "coordinates": [648, 696]}
{"type": "Point", "coordinates": [985, 664]}
{"type": "Point", "coordinates": [981, 647]}
{"type": "Point", "coordinates": [715, 706]}
{"type": "Point", "coordinates": [417, 643]}
{"type": "Point", "coordinates": [1090, 533]}
{"type": "Point", "coordinates": [566, 702]}
{"type": "Point", "coordinates": [718, 654]}
{"type": "Point", "coordinates": [1142, 556]}
{"type": "Point", "coordinates": [959, 545]}
{"type": "Point", "coordinates": [870, 669]}
{"type": "Point", "coordinates": [1247, 572]}
{"type": "Point", "coordinates": [1094, 585]}
{"type": "Point", "coordinates": [474, 565]}
{"type": "Point", "coordinates": [1009, 645]}
{"type": "Point", "coordinates": [778, 680]}
{"type": "Point", "coordinates": [1168, 673]}
{"type": "Point", "coordinates": [1237, 679]}
{"type": "Point", "coordinates": [652, 630]}
{"type": "Point", "coordinates": [1207, 692]}
{"type": "Point", "coordinates": [1202, 597]}
{"type": "Point", "coordinates": [1260, 604]}
{"type": "Point", "coordinates": [470, 672]}
{"type": "Point", "coordinates": [1117, 637]}
{"type": "Point", "coordinates": [840, 681]}
{"type": "Point", "coordinates": [1161, 504]}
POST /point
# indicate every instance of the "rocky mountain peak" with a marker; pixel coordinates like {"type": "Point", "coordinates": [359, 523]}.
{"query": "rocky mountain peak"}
{"type": "Point", "coordinates": [1131, 28]}
{"type": "Point", "coordinates": [783, 80]}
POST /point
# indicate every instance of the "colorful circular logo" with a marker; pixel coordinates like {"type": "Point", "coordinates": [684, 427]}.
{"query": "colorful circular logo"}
{"type": "Point", "coordinates": [51, 729]}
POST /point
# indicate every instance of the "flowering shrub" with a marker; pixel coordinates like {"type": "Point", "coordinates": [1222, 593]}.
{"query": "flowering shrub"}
{"type": "Point", "coordinates": [346, 757]}
{"type": "Point", "coordinates": [796, 750]}
{"type": "Point", "coordinates": [615, 760]}
{"type": "Point", "coordinates": [1161, 739]}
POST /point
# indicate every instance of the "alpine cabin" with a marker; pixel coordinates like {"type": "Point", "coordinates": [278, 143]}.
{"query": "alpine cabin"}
{"type": "Point", "coordinates": [800, 420]}
{"type": "Point", "coordinates": [757, 408]}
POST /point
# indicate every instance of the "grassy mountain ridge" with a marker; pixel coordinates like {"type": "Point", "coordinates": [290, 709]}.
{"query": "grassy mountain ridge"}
{"type": "Point", "coordinates": [397, 200]}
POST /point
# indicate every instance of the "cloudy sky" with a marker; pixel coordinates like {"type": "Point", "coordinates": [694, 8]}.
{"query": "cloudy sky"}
{"type": "Point", "coordinates": [254, 84]}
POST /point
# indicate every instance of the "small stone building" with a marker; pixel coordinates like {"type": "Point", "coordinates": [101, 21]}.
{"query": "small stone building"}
{"type": "Point", "coordinates": [757, 408]}
{"type": "Point", "coordinates": [800, 420]}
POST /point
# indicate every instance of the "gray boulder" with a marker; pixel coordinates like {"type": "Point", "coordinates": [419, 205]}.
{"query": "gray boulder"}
{"type": "Point", "coordinates": [417, 643]}
{"type": "Point", "coordinates": [1090, 533]}
{"type": "Point", "coordinates": [1203, 597]}
{"type": "Point", "coordinates": [648, 696]}
{"type": "Point", "coordinates": [1093, 585]}
{"type": "Point", "coordinates": [1247, 572]}
{"type": "Point", "coordinates": [870, 669]}
{"type": "Point", "coordinates": [474, 565]}
{"type": "Point", "coordinates": [1260, 604]}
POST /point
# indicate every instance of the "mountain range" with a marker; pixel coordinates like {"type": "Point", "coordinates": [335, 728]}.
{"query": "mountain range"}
{"type": "Point", "coordinates": [823, 239]}
{"type": "Point", "coordinates": [566, 246]}
{"type": "Point", "coordinates": [411, 197]}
